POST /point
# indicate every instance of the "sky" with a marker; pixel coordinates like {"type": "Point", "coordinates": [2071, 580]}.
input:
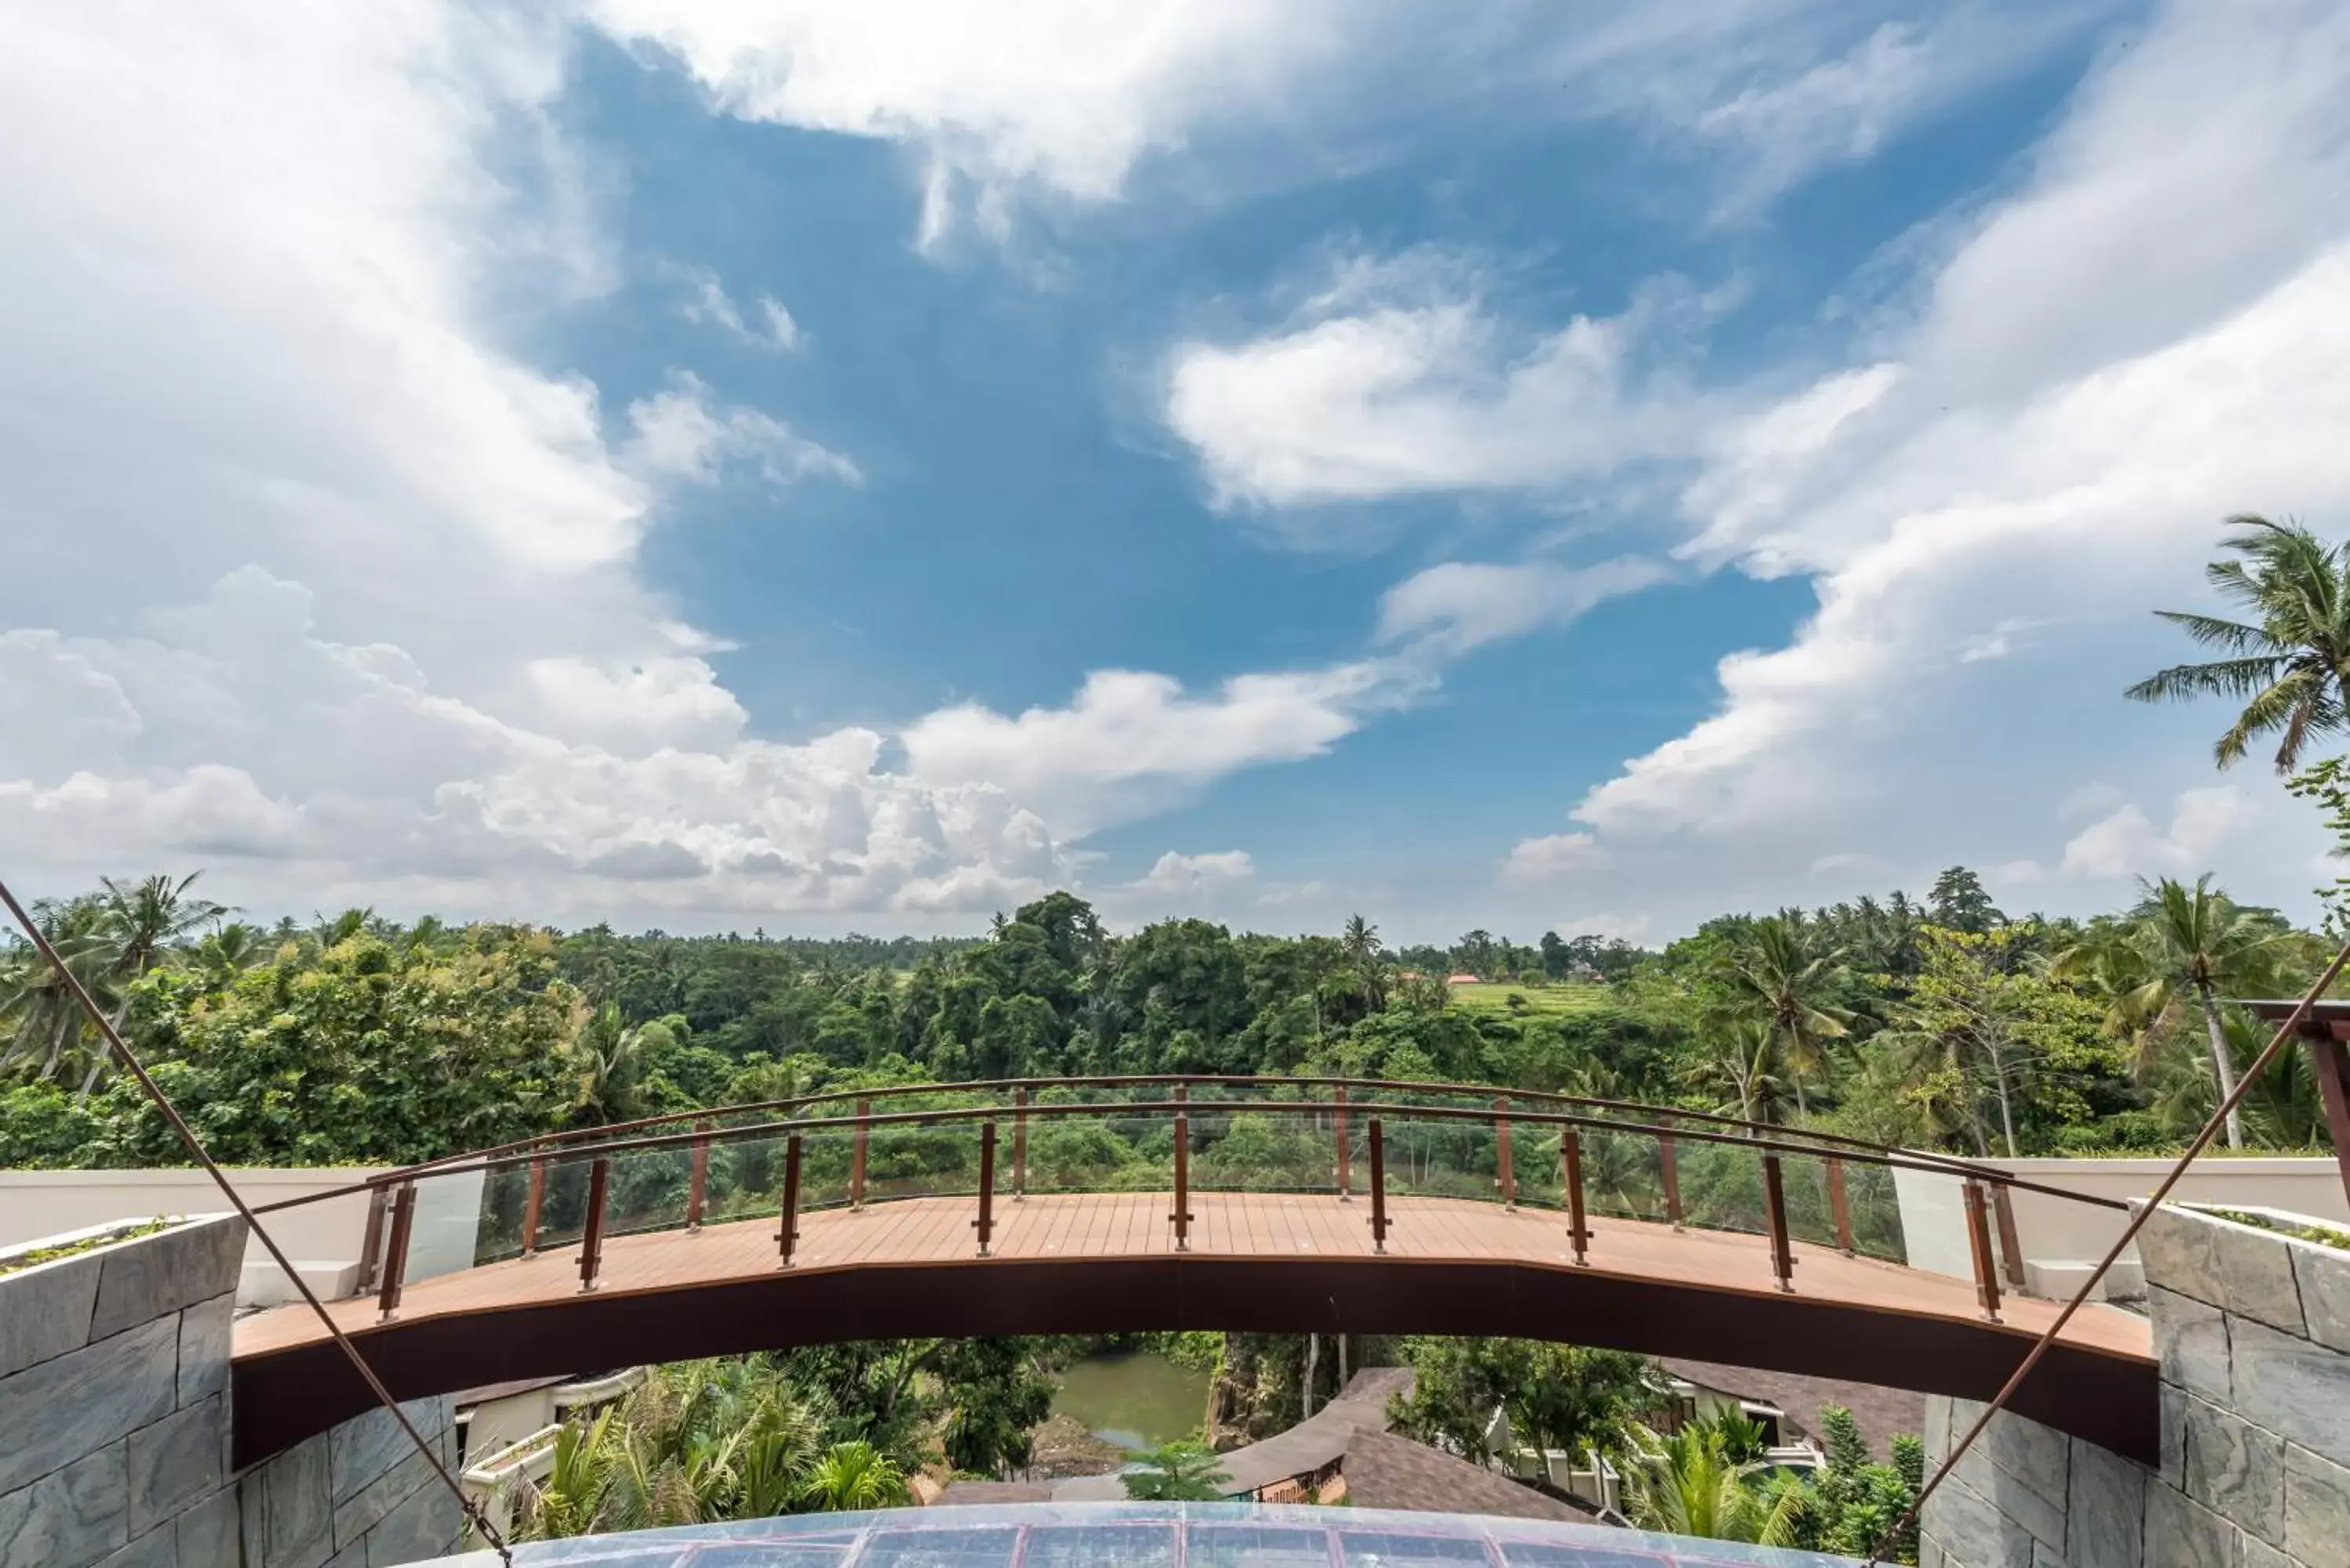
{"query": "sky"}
{"type": "Point", "coordinates": [805, 466]}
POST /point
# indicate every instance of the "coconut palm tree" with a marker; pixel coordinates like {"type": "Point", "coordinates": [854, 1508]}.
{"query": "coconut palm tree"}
{"type": "Point", "coordinates": [2285, 662]}
{"type": "Point", "coordinates": [2180, 948]}
{"type": "Point", "coordinates": [1781, 970]}
{"type": "Point", "coordinates": [155, 914]}
{"type": "Point", "coordinates": [43, 1019]}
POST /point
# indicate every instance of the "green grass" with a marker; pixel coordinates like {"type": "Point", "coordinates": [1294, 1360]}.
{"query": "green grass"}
{"type": "Point", "coordinates": [1531, 1001]}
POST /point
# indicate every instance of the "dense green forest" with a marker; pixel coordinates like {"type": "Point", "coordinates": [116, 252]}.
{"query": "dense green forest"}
{"type": "Point", "coordinates": [1934, 1023]}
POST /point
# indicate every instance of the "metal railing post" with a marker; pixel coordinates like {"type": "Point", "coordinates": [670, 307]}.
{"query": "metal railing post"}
{"type": "Point", "coordinates": [1345, 1154]}
{"type": "Point", "coordinates": [1019, 1143]}
{"type": "Point", "coordinates": [1978, 1244]}
{"type": "Point", "coordinates": [395, 1261]}
{"type": "Point", "coordinates": [372, 1240]}
{"type": "Point", "coordinates": [985, 1223]}
{"type": "Point", "coordinates": [697, 1194]}
{"type": "Point", "coordinates": [591, 1240]}
{"type": "Point", "coordinates": [2010, 1244]}
{"type": "Point", "coordinates": [1774, 1207]}
{"type": "Point", "coordinates": [1182, 1215]}
{"type": "Point", "coordinates": [1668, 1166]}
{"type": "Point", "coordinates": [856, 1157]}
{"type": "Point", "coordinates": [533, 1208]}
{"type": "Point", "coordinates": [787, 1233]}
{"type": "Point", "coordinates": [1504, 1178]}
{"type": "Point", "coordinates": [2329, 1063]}
{"type": "Point", "coordinates": [1570, 1161]}
{"type": "Point", "coordinates": [1378, 1187]}
{"type": "Point", "coordinates": [1840, 1207]}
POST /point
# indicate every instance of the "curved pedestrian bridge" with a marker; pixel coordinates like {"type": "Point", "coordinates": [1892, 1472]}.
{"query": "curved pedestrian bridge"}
{"type": "Point", "coordinates": [1130, 1205]}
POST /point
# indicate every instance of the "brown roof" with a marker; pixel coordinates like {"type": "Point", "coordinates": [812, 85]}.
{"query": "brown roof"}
{"type": "Point", "coordinates": [1383, 1470]}
{"type": "Point", "coordinates": [1883, 1413]}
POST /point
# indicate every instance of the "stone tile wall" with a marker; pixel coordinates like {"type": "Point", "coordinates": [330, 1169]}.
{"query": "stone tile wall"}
{"type": "Point", "coordinates": [2252, 1330]}
{"type": "Point", "coordinates": [114, 1429]}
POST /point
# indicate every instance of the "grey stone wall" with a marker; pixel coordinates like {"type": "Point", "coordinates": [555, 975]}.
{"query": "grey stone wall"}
{"type": "Point", "coordinates": [114, 1429]}
{"type": "Point", "coordinates": [2252, 1330]}
{"type": "Point", "coordinates": [358, 1496]}
{"type": "Point", "coordinates": [114, 1404]}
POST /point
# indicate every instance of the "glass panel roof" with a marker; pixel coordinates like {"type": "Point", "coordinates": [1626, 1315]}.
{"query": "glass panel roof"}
{"type": "Point", "coordinates": [1146, 1535]}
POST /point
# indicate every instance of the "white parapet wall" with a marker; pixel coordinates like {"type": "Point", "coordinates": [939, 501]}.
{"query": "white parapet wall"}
{"type": "Point", "coordinates": [2061, 1241]}
{"type": "Point", "coordinates": [321, 1239]}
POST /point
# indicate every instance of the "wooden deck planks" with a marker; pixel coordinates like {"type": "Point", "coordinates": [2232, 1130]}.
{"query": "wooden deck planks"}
{"type": "Point", "coordinates": [1126, 1224]}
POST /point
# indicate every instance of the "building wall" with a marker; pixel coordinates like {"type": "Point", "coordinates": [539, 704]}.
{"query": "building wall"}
{"type": "Point", "coordinates": [2252, 1330]}
{"type": "Point", "coordinates": [2054, 1233]}
{"type": "Point", "coordinates": [114, 1429]}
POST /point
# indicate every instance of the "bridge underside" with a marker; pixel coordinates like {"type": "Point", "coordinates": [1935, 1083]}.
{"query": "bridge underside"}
{"type": "Point", "coordinates": [1103, 1263]}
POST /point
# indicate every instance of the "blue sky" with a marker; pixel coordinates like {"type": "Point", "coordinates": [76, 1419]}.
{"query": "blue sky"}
{"type": "Point", "coordinates": [1575, 468]}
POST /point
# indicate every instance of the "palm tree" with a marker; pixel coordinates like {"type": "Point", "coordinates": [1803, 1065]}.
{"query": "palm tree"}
{"type": "Point", "coordinates": [1688, 1484]}
{"type": "Point", "coordinates": [1362, 941]}
{"type": "Point", "coordinates": [2286, 662]}
{"type": "Point", "coordinates": [154, 915]}
{"type": "Point", "coordinates": [1742, 1058]}
{"type": "Point", "coordinates": [2197, 943]}
{"type": "Point", "coordinates": [1177, 1472]}
{"type": "Point", "coordinates": [43, 1017]}
{"type": "Point", "coordinates": [852, 1477]}
{"type": "Point", "coordinates": [1781, 972]}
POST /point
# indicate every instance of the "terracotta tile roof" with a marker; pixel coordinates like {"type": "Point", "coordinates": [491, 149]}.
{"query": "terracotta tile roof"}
{"type": "Point", "coordinates": [981, 1492]}
{"type": "Point", "coordinates": [1383, 1470]}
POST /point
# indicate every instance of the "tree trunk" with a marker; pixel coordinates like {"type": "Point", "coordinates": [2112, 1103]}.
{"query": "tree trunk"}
{"type": "Point", "coordinates": [1313, 1355]}
{"type": "Point", "coordinates": [2006, 1111]}
{"type": "Point", "coordinates": [2221, 1065]}
{"type": "Point", "coordinates": [1342, 1364]}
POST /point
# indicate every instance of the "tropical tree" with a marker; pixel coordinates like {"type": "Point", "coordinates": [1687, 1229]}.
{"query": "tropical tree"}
{"type": "Point", "coordinates": [853, 1476]}
{"type": "Point", "coordinates": [152, 915]}
{"type": "Point", "coordinates": [2285, 661]}
{"type": "Point", "coordinates": [2196, 944]}
{"type": "Point", "coordinates": [1181, 1471]}
{"type": "Point", "coordinates": [1688, 1484]}
{"type": "Point", "coordinates": [1780, 971]}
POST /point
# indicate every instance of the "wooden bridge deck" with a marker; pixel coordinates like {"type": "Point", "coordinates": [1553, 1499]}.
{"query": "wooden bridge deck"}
{"type": "Point", "coordinates": [932, 1232]}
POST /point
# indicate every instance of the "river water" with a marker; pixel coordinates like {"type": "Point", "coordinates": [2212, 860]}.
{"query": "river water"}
{"type": "Point", "coordinates": [1138, 1401]}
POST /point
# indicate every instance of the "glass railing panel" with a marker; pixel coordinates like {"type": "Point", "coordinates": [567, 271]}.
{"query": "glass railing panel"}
{"type": "Point", "coordinates": [645, 1190]}
{"type": "Point", "coordinates": [1261, 1151]}
{"type": "Point", "coordinates": [1441, 1157]}
{"type": "Point", "coordinates": [1113, 1152]}
{"type": "Point", "coordinates": [1876, 1211]}
{"type": "Point", "coordinates": [1722, 1186]}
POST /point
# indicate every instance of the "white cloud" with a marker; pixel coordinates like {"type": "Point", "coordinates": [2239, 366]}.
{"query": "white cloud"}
{"type": "Point", "coordinates": [2127, 843]}
{"type": "Point", "coordinates": [1065, 99]}
{"type": "Point", "coordinates": [1292, 895]}
{"type": "Point", "coordinates": [1399, 379]}
{"type": "Point", "coordinates": [1457, 606]}
{"type": "Point", "coordinates": [677, 435]}
{"type": "Point", "coordinates": [1133, 741]}
{"type": "Point", "coordinates": [2154, 332]}
{"type": "Point", "coordinates": [1186, 877]}
{"type": "Point", "coordinates": [707, 302]}
{"type": "Point", "coordinates": [1605, 924]}
{"type": "Point", "coordinates": [1536, 861]}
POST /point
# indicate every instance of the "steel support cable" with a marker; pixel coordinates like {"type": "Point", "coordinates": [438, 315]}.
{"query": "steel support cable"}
{"type": "Point", "coordinates": [195, 1147]}
{"type": "Point", "coordinates": [2285, 1031]}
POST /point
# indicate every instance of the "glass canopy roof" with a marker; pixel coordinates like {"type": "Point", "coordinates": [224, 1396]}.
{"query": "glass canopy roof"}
{"type": "Point", "coordinates": [1144, 1535]}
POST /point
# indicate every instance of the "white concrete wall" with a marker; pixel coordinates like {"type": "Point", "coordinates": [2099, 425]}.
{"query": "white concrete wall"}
{"type": "Point", "coordinates": [318, 1237]}
{"type": "Point", "coordinates": [2055, 1232]}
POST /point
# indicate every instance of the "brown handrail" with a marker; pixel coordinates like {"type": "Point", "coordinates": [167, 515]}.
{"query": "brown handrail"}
{"type": "Point", "coordinates": [1570, 1161]}
{"type": "Point", "coordinates": [1182, 1214]}
{"type": "Point", "coordinates": [985, 1223]}
{"type": "Point", "coordinates": [395, 1262]}
{"type": "Point", "coordinates": [552, 1142]}
{"type": "Point", "coordinates": [1895, 1161]}
{"type": "Point", "coordinates": [1979, 1245]}
{"type": "Point", "coordinates": [1774, 1208]}
{"type": "Point", "coordinates": [1378, 1187]}
{"type": "Point", "coordinates": [591, 1240]}
{"type": "Point", "coordinates": [787, 1233]}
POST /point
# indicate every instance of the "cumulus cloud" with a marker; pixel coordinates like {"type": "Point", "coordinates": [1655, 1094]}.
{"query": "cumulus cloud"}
{"type": "Point", "coordinates": [1400, 380]}
{"type": "Point", "coordinates": [1131, 740]}
{"type": "Point", "coordinates": [1186, 877]}
{"type": "Point", "coordinates": [1536, 861]}
{"type": "Point", "coordinates": [2050, 446]}
{"type": "Point", "coordinates": [2127, 843]}
{"type": "Point", "coordinates": [1064, 99]}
